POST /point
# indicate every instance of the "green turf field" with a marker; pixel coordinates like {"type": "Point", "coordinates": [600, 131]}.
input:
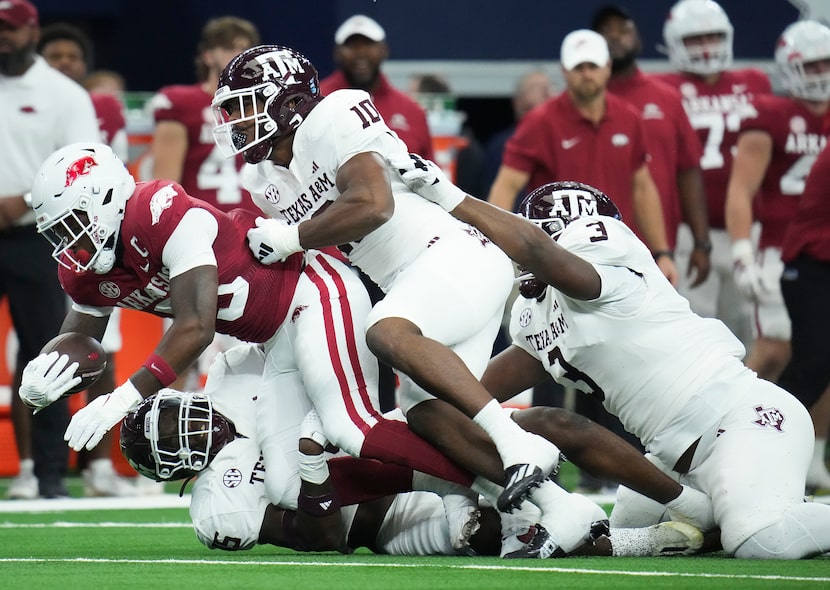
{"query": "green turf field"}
{"type": "Point", "coordinates": [155, 548]}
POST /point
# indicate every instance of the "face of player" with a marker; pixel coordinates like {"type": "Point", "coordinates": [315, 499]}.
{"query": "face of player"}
{"type": "Point", "coordinates": [244, 111]}
{"type": "Point", "coordinates": [587, 81]}
{"type": "Point", "coordinates": [17, 48]}
{"type": "Point", "coordinates": [359, 59]}
{"type": "Point", "coordinates": [217, 58]}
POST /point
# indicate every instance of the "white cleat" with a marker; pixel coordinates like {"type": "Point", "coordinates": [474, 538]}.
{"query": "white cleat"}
{"type": "Point", "coordinates": [674, 538]}
{"type": "Point", "coordinates": [23, 487]}
{"type": "Point", "coordinates": [105, 482]}
{"type": "Point", "coordinates": [462, 516]}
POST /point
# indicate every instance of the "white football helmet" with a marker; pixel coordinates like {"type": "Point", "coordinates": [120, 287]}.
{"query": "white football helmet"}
{"type": "Point", "coordinates": [690, 18]}
{"type": "Point", "coordinates": [801, 43]}
{"type": "Point", "coordinates": [79, 196]}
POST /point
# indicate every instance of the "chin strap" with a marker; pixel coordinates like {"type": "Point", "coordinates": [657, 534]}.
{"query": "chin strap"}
{"type": "Point", "coordinates": [184, 485]}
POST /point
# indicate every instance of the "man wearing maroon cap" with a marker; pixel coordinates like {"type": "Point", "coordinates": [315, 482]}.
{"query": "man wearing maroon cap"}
{"type": "Point", "coordinates": [42, 111]}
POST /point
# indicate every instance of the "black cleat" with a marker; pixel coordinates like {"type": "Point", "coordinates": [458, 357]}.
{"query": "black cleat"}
{"type": "Point", "coordinates": [521, 479]}
{"type": "Point", "coordinates": [540, 546]}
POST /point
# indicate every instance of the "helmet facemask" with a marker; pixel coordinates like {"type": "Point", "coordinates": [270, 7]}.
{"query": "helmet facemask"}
{"type": "Point", "coordinates": [79, 196]}
{"type": "Point", "coordinates": [235, 110]}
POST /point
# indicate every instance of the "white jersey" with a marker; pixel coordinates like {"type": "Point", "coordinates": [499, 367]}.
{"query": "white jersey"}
{"type": "Point", "coordinates": [637, 347]}
{"type": "Point", "coordinates": [343, 124]}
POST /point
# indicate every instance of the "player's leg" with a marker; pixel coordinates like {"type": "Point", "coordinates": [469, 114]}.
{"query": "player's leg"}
{"type": "Point", "coordinates": [341, 374]}
{"type": "Point", "coordinates": [436, 326]}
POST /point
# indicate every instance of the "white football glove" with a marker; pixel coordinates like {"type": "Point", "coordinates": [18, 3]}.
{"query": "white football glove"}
{"type": "Point", "coordinates": [92, 422]}
{"type": "Point", "coordinates": [693, 507]}
{"type": "Point", "coordinates": [46, 378]}
{"type": "Point", "coordinates": [273, 240]}
{"type": "Point", "coordinates": [312, 428]}
{"type": "Point", "coordinates": [746, 271]}
{"type": "Point", "coordinates": [427, 179]}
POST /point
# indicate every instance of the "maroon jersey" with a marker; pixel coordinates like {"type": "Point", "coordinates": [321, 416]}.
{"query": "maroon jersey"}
{"type": "Point", "coordinates": [207, 174]}
{"type": "Point", "coordinates": [715, 112]}
{"type": "Point", "coordinates": [809, 230]}
{"type": "Point", "coordinates": [402, 114]}
{"type": "Point", "coordinates": [670, 139]}
{"type": "Point", "coordinates": [554, 142]}
{"type": "Point", "coordinates": [110, 114]}
{"type": "Point", "coordinates": [797, 138]}
{"type": "Point", "coordinates": [253, 298]}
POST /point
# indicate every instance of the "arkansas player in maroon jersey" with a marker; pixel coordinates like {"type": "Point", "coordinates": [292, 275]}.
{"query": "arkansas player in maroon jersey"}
{"type": "Point", "coordinates": [151, 247]}
{"type": "Point", "coordinates": [698, 38]}
{"type": "Point", "coordinates": [183, 148]}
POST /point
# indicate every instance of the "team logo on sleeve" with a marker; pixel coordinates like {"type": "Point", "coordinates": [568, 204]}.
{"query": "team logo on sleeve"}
{"type": "Point", "coordinates": [769, 417]}
{"type": "Point", "coordinates": [525, 317]}
{"type": "Point", "coordinates": [161, 200]}
{"type": "Point", "coordinates": [272, 195]}
{"type": "Point", "coordinates": [109, 289]}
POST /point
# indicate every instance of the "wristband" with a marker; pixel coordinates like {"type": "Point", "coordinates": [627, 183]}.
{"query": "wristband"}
{"type": "Point", "coordinates": [660, 253]}
{"type": "Point", "coordinates": [704, 246]}
{"type": "Point", "coordinates": [160, 369]}
{"type": "Point", "coordinates": [318, 506]}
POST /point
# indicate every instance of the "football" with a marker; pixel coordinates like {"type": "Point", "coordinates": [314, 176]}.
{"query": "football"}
{"type": "Point", "coordinates": [86, 351]}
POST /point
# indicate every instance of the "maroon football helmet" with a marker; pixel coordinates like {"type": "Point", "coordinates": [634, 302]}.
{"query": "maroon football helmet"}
{"type": "Point", "coordinates": [264, 94]}
{"type": "Point", "coordinates": [552, 207]}
{"type": "Point", "coordinates": [174, 435]}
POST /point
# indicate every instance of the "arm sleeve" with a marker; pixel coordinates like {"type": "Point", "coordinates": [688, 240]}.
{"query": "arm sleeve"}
{"type": "Point", "coordinates": [191, 243]}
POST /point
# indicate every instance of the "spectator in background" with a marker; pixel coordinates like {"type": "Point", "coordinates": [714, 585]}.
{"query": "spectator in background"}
{"type": "Point", "coordinates": [775, 151]}
{"type": "Point", "coordinates": [532, 89]}
{"type": "Point", "coordinates": [183, 149]}
{"type": "Point", "coordinates": [698, 38]}
{"type": "Point", "coordinates": [430, 89]}
{"type": "Point", "coordinates": [360, 49]}
{"type": "Point", "coordinates": [43, 110]}
{"type": "Point", "coordinates": [587, 135]}
{"type": "Point", "coordinates": [106, 82]}
{"type": "Point", "coordinates": [68, 49]}
{"type": "Point", "coordinates": [672, 143]}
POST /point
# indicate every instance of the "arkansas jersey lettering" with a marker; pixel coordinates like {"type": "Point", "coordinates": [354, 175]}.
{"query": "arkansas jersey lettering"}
{"type": "Point", "coordinates": [149, 297]}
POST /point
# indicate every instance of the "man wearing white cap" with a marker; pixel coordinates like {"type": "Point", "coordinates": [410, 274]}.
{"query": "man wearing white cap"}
{"type": "Point", "coordinates": [360, 49]}
{"type": "Point", "coordinates": [586, 135]}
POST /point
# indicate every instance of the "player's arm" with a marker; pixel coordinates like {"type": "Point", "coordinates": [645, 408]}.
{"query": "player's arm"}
{"type": "Point", "coordinates": [365, 203]}
{"type": "Point", "coordinates": [509, 181]}
{"type": "Point", "coordinates": [91, 325]}
{"type": "Point", "coordinates": [169, 148]}
{"type": "Point", "coordinates": [752, 157]}
{"type": "Point", "coordinates": [695, 214]}
{"type": "Point", "coordinates": [511, 372]}
{"type": "Point", "coordinates": [648, 215]}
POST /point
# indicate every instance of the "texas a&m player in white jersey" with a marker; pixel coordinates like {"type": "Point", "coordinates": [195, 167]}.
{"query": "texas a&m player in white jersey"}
{"type": "Point", "coordinates": [445, 283]}
{"type": "Point", "coordinates": [212, 436]}
{"type": "Point", "coordinates": [153, 248]}
{"type": "Point", "coordinates": [597, 314]}
{"type": "Point", "coordinates": [698, 38]}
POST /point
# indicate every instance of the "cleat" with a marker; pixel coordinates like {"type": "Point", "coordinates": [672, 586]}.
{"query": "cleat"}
{"type": "Point", "coordinates": [462, 516]}
{"type": "Point", "coordinates": [103, 481]}
{"type": "Point", "coordinates": [521, 479]}
{"type": "Point", "coordinates": [23, 487]}
{"type": "Point", "coordinates": [675, 538]}
{"type": "Point", "coordinates": [599, 528]}
{"type": "Point", "coordinates": [539, 545]}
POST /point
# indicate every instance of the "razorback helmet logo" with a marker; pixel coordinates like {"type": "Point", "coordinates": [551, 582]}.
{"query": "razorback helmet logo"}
{"type": "Point", "coordinates": [78, 168]}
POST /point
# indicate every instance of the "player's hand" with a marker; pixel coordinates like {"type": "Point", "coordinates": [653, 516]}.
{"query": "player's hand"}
{"type": "Point", "coordinates": [46, 378]}
{"type": "Point", "coordinates": [668, 268]}
{"type": "Point", "coordinates": [273, 240]}
{"type": "Point", "coordinates": [427, 179]}
{"type": "Point", "coordinates": [92, 422]}
{"type": "Point", "coordinates": [700, 265]}
{"type": "Point", "coordinates": [746, 271]}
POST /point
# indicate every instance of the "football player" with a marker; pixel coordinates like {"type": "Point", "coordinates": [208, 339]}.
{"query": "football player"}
{"type": "Point", "coordinates": [774, 153]}
{"type": "Point", "coordinates": [445, 284]}
{"type": "Point", "coordinates": [149, 246]}
{"type": "Point", "coordinates": [335, 503]}
{"type": "Point", "coordinates": [698, 38]}
{"type": "Point", "coordinates": [597, 314]}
